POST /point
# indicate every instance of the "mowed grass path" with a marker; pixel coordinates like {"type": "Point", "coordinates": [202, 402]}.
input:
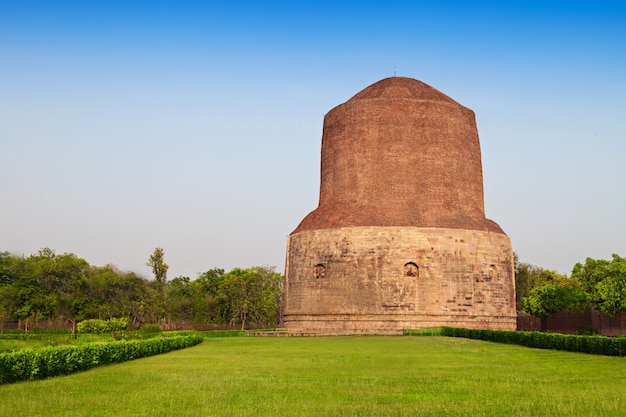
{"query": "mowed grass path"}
{"type": "Point", "coordinates": [336, 376]}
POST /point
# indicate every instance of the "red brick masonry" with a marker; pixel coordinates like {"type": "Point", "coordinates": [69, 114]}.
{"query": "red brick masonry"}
{"type": "Point", "coordinates": [400, 153]}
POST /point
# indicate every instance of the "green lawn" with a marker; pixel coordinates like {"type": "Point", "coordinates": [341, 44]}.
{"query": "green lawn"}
{"type": "Point", "coordinates": [335, 376]}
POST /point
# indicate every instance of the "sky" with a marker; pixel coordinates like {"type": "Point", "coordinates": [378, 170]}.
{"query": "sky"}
{"type": "Point", "coordinates": [196, 126]}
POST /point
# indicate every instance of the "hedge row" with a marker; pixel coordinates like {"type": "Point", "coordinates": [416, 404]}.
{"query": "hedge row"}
{"type": "Point", "coordinates": [28, 364]}
{"type": "Point", "coordinates": [599, 345]}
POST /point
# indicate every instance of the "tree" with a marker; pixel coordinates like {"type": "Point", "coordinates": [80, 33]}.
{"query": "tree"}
{"type": "Point", "coordinates": [606, 282]}
{"type": "Point", "coordinates": [68, 278]}
{"type": "Point", "coordinates": [609, 295]}
{"type": "Point", "coordinates": [251, 295]}
{"type": "Point", "coordinates": [10, 267]}
{"type": "Point", "coordinates": [207, 307]}
{"type": "Point", "coordinates": [529, 276]}
{"type": "Point", "coordinates": [594, 271]}
{"type": "Point", "coordinates": [47, 286]}
{"type": "Point", "coordinates": [179, 304]}
{"type": "Point", "coordinates": [210, 280]}
{"type": "Point", "coordinates": [548, 299]}
{"type": "Point", "coordinates": [158, 265]}
{"type": "Point", "coordinates": [159, 269]}
{"type": "Point", "coordinates": [113, 293]}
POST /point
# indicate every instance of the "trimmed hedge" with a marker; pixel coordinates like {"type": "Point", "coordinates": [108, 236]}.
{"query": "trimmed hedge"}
{"type": "Point", "coordinates": [28, 364]}
{"type": "Point", "coordinates": [97, 326]}
{"type": "Point", "coordinates": [598, 345]}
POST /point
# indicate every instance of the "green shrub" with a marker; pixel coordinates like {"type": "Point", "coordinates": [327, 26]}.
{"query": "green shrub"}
{"type": "Point", "coordinates": [149, 331]}
{"type": "Point", "coordinates": [151, 328]}
{"type": "Point", "coordinates": [27, 364]}
{"type": "Point", "coordinates": [599, 345]}
{"type": "Point", "coordinates": [117, 325]}
{"type": "Point", "coordinates": [97, 326]}
{"type": "Point", "coordinates": [586, 330]}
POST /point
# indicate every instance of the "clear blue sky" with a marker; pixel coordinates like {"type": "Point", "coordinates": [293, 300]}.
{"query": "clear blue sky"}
{"type": "Point", "coordinates": [196, 125]}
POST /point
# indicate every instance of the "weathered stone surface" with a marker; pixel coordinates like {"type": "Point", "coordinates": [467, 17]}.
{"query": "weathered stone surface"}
{"type": "Point", "coordinates": [387, 278]}
{"type": "Point", "coordinates": [399, 238]}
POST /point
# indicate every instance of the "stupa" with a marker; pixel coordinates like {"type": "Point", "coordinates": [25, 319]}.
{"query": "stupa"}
{"type": "Point", "coordinates": [399, 238]}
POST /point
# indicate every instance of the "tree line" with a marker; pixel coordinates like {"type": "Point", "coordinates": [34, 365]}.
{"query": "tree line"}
{"type": "Point", "coordinates": [599, 283]}
{"type": "Point", "coordinates": [65, 289]}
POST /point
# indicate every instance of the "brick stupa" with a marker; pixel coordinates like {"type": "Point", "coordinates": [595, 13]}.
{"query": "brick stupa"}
{"type": "Point", "coordinates": [400, 238]}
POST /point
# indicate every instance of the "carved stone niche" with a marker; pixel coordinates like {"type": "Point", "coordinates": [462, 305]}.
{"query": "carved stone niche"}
{"type": "Point", "coordinates": [319, 271]}
{"type": "Point", "coordinates": [411, 270]}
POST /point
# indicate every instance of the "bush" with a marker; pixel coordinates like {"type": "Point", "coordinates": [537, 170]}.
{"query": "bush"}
{"type": "Point", "coordinates": [151, 328]}
{"type": "Point", "coordinates": [97, 326]}
{"type": "Point", "coordinates": [599, 345]}
{"type": "Point", "coordinates": [149, 331]}
{"type": "Point", "coordinates": [27, 364]}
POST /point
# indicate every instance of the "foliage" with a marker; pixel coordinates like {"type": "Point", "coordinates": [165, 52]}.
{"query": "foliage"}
{"type": "Point", "coordinates": [553, 298]}
{"type": "Point", "coordinates": [27, 364]}
{"type": "Point", "coordinates": [66, 289]}
{"type": "Point", "coordinates": [599, 282]}
{"type": "Point", "coordinates": [606, 282]}
{"type": "Point", "coordinates": [252, 295]}
{"type": "Point", "coordinates": [527, 277]}
{"type": "Point", "coordinates": [149, 330]}
{"type": "Point", "coordinates": [599, 345]}
{"type": "Point", "coordinates": [152, 328]}
{"type": "Point", "coordinates": [594, 271]}
{"type": "Point", "coordinates": [196, 300]}
{"type": "Point", "coordinates": [157, 263]}
{"type": "Point", "coordinates": [159, 268]}
{"type": "Point", "coordinates": [97, 326]}
{"type": "Point", "coordinates": [609, 295]}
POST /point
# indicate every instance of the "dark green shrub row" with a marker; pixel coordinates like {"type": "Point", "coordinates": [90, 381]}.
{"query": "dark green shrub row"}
{"type": "Point", "coordinates": [599, 345]}
{"type": "Point", "coordinates": [28, 364]}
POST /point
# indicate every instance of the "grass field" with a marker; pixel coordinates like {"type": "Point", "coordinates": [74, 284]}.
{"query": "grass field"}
{"type": "Point", "coordinates": [335, 376]}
